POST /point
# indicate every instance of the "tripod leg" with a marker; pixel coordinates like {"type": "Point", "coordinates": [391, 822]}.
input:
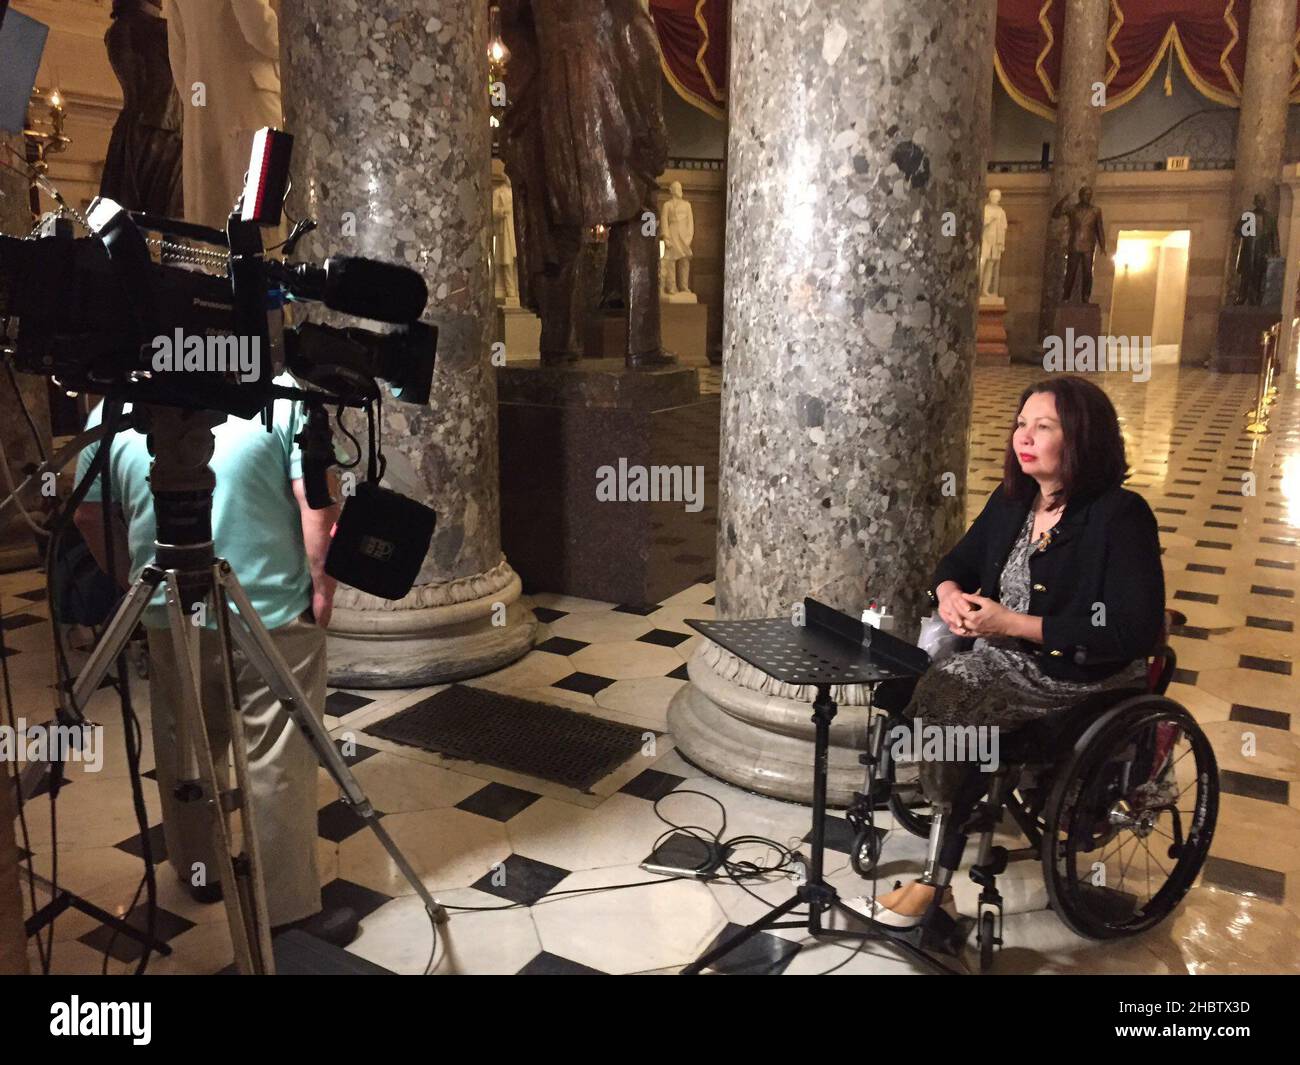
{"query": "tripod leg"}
{"type": "Point", "coordinates": [254, 885]}
{"type": "Point", "coordinates": [114, 639]}
{"type": "Point", "coordinates": [727, 946]}
{"type": "Point", "coordinates": [254, 640]}
{"type": "Point", "coordinates": [184, 638]}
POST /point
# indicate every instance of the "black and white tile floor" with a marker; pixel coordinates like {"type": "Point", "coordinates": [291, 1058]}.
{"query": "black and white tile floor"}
{"type": "Point", "coordinates": [485, 839]}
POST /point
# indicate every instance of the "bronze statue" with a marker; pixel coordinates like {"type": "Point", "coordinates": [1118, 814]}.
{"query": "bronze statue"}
{"type": "Point", "coordinates": [583, 142]}
{"type": "Point", "coordinates": [1256, 237]}
{"type": "Point", "coordinates": [142, 170]}
{"type": "Point", "coordinates": [1087, 235]}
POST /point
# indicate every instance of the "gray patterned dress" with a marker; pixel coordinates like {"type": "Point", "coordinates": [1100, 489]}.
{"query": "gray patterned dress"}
{"type": "Point", "coordinates": [996, 682]}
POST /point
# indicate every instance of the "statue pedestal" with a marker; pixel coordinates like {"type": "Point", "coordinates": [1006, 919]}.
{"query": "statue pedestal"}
{"type": "Point", "coordinates": [991, 333]}
{"type": "Point", "coordinates": [1070, 321]}
{"type": "Point", "coordinates": [1237, 348]}
{"type": "Point", "coordinates": [683, 330]}
{"type": "Point", "coordinates": [564, 431]}
{"type": "Point", "coordinates": [520, 329]}
{"type": "Point", "coordinates": [1083, 318]}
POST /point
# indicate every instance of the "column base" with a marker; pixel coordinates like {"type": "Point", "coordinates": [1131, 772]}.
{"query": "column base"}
{"type": "Point", "coordinates": [763, 741]}
{"type": "Point", "coordinates": [374, 643]}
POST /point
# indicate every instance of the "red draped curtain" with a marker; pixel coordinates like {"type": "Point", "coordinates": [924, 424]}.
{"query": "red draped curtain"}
{"type": "Point", "coordinates": [1207, 38]}
{"type": "Point", "coordinates": [693, 38]}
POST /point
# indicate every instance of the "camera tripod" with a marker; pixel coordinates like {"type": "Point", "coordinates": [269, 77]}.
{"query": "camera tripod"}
{"type": "Point", "coordinates": [188, 572]}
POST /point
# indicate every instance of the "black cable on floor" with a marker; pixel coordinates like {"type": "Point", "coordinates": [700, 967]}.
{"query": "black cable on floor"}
{"type": "Point", "coordinates": [131, 726]}
{"type": "Point", "coordinates": [45, 956]}
{"type": "Point", "coordinates": [734, 871]}
{"type": "Point", "coordinates": [132, 733]}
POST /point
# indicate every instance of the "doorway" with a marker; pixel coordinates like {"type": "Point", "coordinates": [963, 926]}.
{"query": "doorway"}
{"type": "Point", "coordinates": [1149, 298]}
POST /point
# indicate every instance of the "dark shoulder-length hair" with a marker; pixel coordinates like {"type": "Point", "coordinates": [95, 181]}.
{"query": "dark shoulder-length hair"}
{"type": "Point", "coordinates": [1092, 451]}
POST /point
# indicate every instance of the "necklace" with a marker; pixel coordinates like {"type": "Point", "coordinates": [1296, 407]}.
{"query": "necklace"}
{"type": "Point", "coordinates": [1040, 510]}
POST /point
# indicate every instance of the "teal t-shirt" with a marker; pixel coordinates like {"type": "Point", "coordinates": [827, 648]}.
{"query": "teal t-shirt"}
{"type": "Point", "coordinates": [256, 525]}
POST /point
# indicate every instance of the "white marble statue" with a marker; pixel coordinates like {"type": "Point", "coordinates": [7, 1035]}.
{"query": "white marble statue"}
{"type": "Point", "coordinates": [504, 253]}
{"type": "Point", "coordinates": [225, 60]}
{"type": "Point", "coordinates": [677, 230]}
{"type": "Point", "coordinates": [993, 244]}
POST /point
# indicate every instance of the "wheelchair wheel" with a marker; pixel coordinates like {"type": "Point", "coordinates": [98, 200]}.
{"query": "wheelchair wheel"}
{"type": "Point", "coordinates": [987, 940]}
{"type": "Point", "coordinates": [1129, 819]}
{"type": "Point", "coordinates": [910, 807]}
{"type": "Point", "coordinates": [866, 852]}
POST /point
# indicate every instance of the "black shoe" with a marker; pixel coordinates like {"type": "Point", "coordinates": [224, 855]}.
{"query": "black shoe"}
{"type": "Point", "coordinates": [205, 894]}
{"type": "Point", "coordinates": [338, 926]}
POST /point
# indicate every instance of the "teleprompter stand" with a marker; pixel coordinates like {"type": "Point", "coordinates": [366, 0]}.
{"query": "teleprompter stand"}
{"type": "Point", "coordinates": [829, 648]}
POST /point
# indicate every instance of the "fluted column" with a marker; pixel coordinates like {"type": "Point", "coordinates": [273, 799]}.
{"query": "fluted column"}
{"type": "Point", "coordinates": [857, 147]}
{"type": "Point", "coordinates": [1078, 132]}
{"type": "Point", "coordinates": [390, 109]}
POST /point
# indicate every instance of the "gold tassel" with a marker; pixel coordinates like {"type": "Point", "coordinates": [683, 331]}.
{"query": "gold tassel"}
{"type": "Point", "coordinates": [1169, 73]}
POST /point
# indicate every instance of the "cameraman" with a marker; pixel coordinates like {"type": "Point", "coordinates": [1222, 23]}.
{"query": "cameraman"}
{"type": "Point", "coordinates": [276, 545]}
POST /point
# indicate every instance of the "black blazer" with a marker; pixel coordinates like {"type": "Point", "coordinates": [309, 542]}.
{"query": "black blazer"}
{"type": "Point", "coordinates": [1105, 553]}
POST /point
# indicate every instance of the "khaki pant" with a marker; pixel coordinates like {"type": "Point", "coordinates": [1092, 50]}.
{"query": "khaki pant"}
{"type": "Point", "coordinates": [282, 765]}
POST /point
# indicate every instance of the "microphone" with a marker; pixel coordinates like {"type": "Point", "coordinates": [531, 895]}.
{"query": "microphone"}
{"type": "Point", "coordinates": [364, 288]}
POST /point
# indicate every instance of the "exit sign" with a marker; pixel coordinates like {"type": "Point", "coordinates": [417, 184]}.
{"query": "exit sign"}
{"type": "Point", "coordinates": [1178, 162]}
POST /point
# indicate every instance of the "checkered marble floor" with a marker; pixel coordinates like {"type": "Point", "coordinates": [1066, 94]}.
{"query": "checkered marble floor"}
{"type": "Point", "coordinates": [533, 873]}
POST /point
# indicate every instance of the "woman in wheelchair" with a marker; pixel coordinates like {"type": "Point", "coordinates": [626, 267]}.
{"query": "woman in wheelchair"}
{"type": "Point", "coordinates": [1059, 581]}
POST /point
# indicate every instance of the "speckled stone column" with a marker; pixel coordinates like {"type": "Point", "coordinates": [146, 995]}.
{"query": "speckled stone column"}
{"type": "Point", "coordinates": [17, 541]}
{"type": "Point", "coordinates": [15, 221]}
{"type": "Point", "coordinates": [1261, 125]}
{"type": "Point", "coordinates": [1078, 132]}
{"type": "Point", "coordinates": [389, 106]}
{"type": "Point", "coordinates": [857, 147]}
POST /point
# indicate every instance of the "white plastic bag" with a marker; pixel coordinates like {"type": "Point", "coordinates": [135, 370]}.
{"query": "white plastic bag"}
{"type": "Point", "coordinates": [939, 641]}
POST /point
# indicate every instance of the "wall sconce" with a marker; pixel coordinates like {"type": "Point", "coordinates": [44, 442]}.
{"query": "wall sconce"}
{"type": "Point", "coordinates": [45, 135]}
{"type": "Point", "coordinates": [498, 53]}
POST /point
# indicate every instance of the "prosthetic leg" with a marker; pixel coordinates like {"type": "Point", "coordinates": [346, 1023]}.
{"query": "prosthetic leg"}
{"type": "Point", "coordinates": [952, 824]}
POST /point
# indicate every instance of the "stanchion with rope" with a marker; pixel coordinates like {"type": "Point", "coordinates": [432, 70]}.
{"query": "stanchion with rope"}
{"type": "Point", "coordinates": [1266, 386]}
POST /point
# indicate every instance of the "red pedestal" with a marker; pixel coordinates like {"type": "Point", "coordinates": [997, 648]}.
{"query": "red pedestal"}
{"type": "Point", "coordinates": [991, 334]}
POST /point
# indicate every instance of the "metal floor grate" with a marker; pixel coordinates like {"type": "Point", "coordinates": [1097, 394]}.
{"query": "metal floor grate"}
{"type": "Point", "coordinates": [539, 739]}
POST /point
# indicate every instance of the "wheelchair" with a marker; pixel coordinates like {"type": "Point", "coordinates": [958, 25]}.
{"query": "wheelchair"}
{"type": "Point", "coordinates": [1117, 797]}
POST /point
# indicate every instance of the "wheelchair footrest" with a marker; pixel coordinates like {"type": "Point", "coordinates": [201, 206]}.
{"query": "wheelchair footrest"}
{"type": "Point", "coordinates": [940, 932]}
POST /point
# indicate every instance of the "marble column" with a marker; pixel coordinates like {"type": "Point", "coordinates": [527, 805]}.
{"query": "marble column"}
{"type": "Point", "coordinates": [15, 221]}
{"type": "Point", "coordinates": [389, 107]}
{"type": "Point", "coordinates": [1078, 133]}
{"type": "Point", "coordinates": [1261, 123]}
{"type": "Point", "coordinates": [18, 548]}
{"type": "Point", "coordinates": [857, 147]}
